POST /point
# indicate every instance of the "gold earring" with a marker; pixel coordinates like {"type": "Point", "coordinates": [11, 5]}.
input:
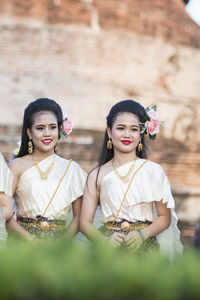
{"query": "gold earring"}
{"type": "Point", "coordinates": [140, 147]}
{"type": "Point", "coordinates": [30, 146]}
{"type": "Point", "coordinates": [109, 144]}
{"type": "Point", "coordinates": [56, 146]}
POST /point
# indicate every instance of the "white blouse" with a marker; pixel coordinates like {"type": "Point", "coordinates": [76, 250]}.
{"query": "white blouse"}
{"type": "Point", "coordinates": [33, 194]}
{"type": "Point", "coordinates": [6, 177]}
{"type": "Point", "coordinates": [150, 184]}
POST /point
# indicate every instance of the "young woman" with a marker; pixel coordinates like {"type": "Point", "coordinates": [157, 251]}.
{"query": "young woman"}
{"type": "Point", "coordinates": [45, 185]}
{"type": "Point", "coordinates": [137, 207]}
{"type": "Point", "coordinates": [6, 210]}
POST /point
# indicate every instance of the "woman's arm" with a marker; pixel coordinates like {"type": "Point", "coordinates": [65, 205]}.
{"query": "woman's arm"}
{"type": "Point", "coordinates": [19, 230]}
{"type": "Point", "coordinates": [90, 202]}
{"type": "Point", "coordinates": [73, 228]}
{"type": "Point", "coordinates": [15, 167]}
{"type": "Point", "coordinates": [160, 224]}
{"type": "Point", "coordinates": [89, 206]}
{"type": "Point", "coordinates": [6, 203]}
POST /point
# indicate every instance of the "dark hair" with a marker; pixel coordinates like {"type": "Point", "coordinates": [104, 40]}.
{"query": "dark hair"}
{"type": "Point", "coordinates": [130, 106]}
{"type": "Point", "coordinates": [41, 104]}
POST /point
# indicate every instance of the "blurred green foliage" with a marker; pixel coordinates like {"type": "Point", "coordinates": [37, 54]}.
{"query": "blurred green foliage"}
{"type": "Point", "coordinates": [59, 270]}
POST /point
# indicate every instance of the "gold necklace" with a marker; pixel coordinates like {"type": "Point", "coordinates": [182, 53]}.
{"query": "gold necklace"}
{"type": "Point", "coordinates": [43, 175]}
{"type": "Point", "coordinates": [125, 178]}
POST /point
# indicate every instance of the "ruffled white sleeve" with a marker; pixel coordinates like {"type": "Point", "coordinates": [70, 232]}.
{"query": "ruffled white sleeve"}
{"type": "Point", "coordinates": [6, 177]}
{"type": "Point", "coordinates": [169, 239]}
{"type": "Point", "coordinates": [79, 179]}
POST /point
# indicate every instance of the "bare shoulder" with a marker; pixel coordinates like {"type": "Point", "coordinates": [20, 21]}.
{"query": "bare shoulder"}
{"type": "Point", "coordinates": [99, 172]}
{"type": "Point", "coordinates": [20, 164]}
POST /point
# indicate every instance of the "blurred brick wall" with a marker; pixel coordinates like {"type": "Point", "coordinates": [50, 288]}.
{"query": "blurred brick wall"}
{"type": "Point", "coordinates": [158, 18]}
{"type": "Point", "coordinates": [89, 54]}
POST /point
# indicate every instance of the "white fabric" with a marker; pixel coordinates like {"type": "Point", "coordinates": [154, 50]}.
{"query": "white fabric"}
{"type": "Point", "coordinates": [6, 177]}
{"type": "Point", "coordinates": [3, 232]}
{"type": "Point", "coordinates": [33, 194]}
{"type": "Point", "coordinates": [150, 184]}
{"type": "Point", "coordinates": [193, 9]}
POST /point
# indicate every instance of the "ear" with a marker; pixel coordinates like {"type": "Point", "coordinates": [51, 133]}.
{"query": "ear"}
{"type": "Point", "coordinates": [28, 131]}
{"type": "Point", "coordinates": [109, 133]}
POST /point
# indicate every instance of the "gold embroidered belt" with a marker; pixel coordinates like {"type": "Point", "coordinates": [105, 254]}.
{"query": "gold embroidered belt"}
{"type": "Point", "coordinates": [125, 225]}
{"type": "Point", "coordinates": [42, 223]}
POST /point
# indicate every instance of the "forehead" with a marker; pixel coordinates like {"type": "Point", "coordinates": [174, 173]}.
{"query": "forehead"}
{"type": "Point", "coordinates": [43, 117]}
{"type": "Point", "coordinates": [126, 118]}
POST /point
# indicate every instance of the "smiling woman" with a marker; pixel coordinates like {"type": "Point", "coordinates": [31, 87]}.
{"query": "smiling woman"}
{"type": "Point", "coordinates": [137, 207]}
{"type": "Point", "coordinates": [45, 185]}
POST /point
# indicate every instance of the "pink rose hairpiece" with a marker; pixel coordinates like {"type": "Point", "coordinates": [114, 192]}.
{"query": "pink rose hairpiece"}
{"type": "Point", "coordinates": [66, 126]}
{"type": "Point", "coordinates": [151, 124]}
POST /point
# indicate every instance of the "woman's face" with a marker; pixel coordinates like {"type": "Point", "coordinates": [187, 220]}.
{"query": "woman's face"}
{"type": "Point", "coordinates": [44, 131]}
{"type": "Point", "coordinates": [125, 133]}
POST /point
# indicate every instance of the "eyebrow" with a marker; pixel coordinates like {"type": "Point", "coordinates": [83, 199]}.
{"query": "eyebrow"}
{"type": "Point", "coordinates": [44, 124]}
{"type": "Point", "coordinates": [131, 125]}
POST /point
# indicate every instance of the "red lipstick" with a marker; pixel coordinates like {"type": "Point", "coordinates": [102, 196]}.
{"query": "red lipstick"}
{"type": "Point", "coordinates": [47, 141]}
{"type": "Point", "coordinates": [126, 142]}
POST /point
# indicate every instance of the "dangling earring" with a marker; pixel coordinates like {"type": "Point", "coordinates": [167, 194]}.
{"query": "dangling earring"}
{"type": "Point", "coordinates": [140, 147]}
{"type": "Point", "coordinates": [30, 146]}
{"type": "Point", "coordinates": [109, 144]}
{"type": "Point", "coordinates": [56, 146]}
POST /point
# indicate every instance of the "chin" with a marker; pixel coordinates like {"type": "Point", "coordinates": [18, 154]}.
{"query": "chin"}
{"type": "Point", "coordinates": [126, 150]}
{"type": "Point", "coordinates": [46, 149]}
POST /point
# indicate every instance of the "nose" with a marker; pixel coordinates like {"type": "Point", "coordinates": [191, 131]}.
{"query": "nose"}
{"type": "Point", "coordinates": [47, 132]}
{"type": "Point", "coordinates": [127, 133]}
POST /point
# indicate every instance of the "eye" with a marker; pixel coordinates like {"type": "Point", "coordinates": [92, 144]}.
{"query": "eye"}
{"type": "Point", "coordinates": [120, 128]}
{"type": "Point", "coordinates": [53, 127]}
{"type": "Point", "coordinates": [135, 129]}
{"type": "Point", "coordinates": [39, 128]}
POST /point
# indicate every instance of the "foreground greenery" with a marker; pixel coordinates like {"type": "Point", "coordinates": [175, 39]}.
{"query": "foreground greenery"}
{"type": "Point", "coordinates": [81, 271]}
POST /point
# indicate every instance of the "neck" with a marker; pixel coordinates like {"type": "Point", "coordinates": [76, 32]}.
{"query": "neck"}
{"type": "Point", "coordinates": [120, 158]}
{"type": "Point", "coordinates": [41, 155]}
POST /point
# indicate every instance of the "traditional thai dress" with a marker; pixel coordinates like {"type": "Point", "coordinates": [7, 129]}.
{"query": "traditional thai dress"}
{"type": "Point", "coordinates": [6, 178]}
{"type": "Point", "coordinates": [149, 184]}
{"type": "Point", "coordinates": [33, 196]}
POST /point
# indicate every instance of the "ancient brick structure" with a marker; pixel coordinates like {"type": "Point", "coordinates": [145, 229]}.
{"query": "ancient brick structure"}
{"type": "Point", "coordinates": [89, 54]}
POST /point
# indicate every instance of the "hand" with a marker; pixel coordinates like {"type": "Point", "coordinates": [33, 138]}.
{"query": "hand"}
{"type": "Point", "coordinates": [133, 240]}
{"type": "Point", "coordinates": [117, 238]}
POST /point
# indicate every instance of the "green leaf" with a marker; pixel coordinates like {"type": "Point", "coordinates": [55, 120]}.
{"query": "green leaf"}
{"type": "Point", "coordinates": [152, 137]}
{"type": "Point", "coordinates": [146, 118]}
{"type": "Point", "coordinates": [147, 109]}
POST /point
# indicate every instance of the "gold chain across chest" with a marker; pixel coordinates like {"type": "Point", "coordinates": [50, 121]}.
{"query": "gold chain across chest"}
{"type": "Point", "coordinates": [126, 226]}
{"type": "Point", "coordinates": [43, 175]}
{"type": "Point", "coordinates": [125, 178]}
{"type": "Point", "coordinates": [45, 225]}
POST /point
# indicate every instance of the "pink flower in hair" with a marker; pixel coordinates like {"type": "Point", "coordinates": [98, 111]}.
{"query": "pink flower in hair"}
{"type": "Point", "coordinates": [152, 126]}
{"type": "Point", "coordinates": [153, 114]}
{"type": "Point", "coordinates": [66, 127]}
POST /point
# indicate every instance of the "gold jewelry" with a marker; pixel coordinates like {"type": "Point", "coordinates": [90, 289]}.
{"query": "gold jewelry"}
{"type": "Point", "coordinates": [56, 146]}
{"type": "Point", "coordinates": [42, 224]}
{"type": "Point", "coordinates": [30, 146]}
{"type": "Point", "coordinates": [140, 147]}
{"type": "Point", "coordinates": [43, 175]}
{"type": "Point", "coordinates": [125, 178]}
{"type": "Point", "coordinates": [109, 144]}
{"type": "Point", "coordinates": [59, 183]}
{"type": "Point", "coordinates": [117, 214]}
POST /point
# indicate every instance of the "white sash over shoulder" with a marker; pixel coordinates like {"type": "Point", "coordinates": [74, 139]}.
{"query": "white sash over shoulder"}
{"type": "Point", "coordinates": [150, 184]}
{"type": "Point", "coordinates": [33, 193]}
